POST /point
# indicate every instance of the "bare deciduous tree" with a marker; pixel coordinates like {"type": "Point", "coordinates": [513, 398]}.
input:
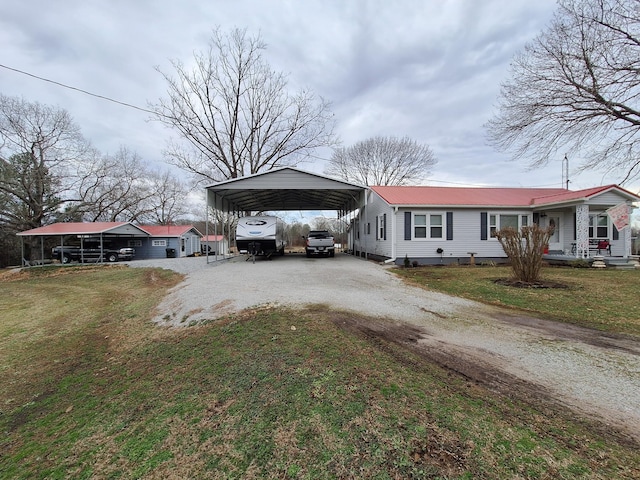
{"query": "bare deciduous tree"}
{"type": "Point", "coordinates": [38, 142]}
{"type": "Point", "coordinates": [122, 187]}
{"type": "Point", "coordinates": [168, 200]}
{"type": "Point", "coordinates": [113, 188]}
{"type": "Point", "coordinates": [575, 88]}
{"type": "Point", "coordinates": [382, 161]}
{"type": "Point", "coordinates": [236, 114]}
{"type": "Point", "coordinates": [525, 249]}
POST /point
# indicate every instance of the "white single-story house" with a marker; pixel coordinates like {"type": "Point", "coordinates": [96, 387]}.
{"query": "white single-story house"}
{"type": "Point", "coordinates": [433, 225]}
{"type": "Point", "coordinates": [217, 244]}
{"type": "Point", "coordinates": [169, 241]}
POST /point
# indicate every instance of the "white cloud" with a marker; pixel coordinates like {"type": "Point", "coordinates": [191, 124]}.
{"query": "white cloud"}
{"type": "Point", "coordinates": [430, 70]}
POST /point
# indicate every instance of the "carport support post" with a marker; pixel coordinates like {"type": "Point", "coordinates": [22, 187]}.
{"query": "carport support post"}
{"type": "Point", "coordinates": [224, 251]}
{"type": "Point", "coordinates": [366, 225]}
{"type": "Point", "coordinates": [42, 251]}
{"type": "Point", "coordinates": [206, 225]}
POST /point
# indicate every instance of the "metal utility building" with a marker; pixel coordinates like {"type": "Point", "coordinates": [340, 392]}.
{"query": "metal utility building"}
{"type": "Point", "coordinates": [284, 189]}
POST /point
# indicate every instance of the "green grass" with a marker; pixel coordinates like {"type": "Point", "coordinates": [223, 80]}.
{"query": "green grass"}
{"type": "Point", "coordinates": [92, 389]}
{"type": "Point", "coordinates": [607, 300]}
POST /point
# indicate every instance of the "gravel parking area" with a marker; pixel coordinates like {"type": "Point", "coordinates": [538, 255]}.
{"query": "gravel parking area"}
{"type": "Point", "coordinates": [594, 374]}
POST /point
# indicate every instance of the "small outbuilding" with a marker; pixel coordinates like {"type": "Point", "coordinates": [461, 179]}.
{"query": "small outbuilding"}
{"type": "Point", "coordinates": [169, 241]}
{"type": "Point", "coordinates": [215, 244]}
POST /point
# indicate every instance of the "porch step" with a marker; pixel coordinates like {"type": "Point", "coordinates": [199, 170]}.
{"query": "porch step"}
{"type": "Point", "coordinates": [619, 263]}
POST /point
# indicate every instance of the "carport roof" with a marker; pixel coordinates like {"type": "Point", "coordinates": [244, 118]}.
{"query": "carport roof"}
{"type": "Point", "coordinates": [286, 188]}
{"type": "Point", "coordinates": [81, 228]}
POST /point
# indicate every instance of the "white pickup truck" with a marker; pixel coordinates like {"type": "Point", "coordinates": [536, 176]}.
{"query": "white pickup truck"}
{"type": "Point", "coordinates": [320, 242]}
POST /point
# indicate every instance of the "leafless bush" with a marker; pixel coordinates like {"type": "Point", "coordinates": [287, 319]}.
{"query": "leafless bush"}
{"type": "Point", "coordinates": [525, 249]}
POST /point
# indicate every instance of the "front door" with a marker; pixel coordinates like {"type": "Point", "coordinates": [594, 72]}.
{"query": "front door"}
{"type": "Point", "coordinates": [555, 241]}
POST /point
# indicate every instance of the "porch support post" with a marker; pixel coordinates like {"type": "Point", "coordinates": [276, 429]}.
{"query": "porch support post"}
{"type": "Point", "coordinates": [626, 232]}
{"type": "Point", "coordinates": [582, 231]}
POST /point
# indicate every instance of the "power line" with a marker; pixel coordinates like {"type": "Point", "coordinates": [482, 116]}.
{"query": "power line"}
{"type": "Point", "coordinates": [102, 97]}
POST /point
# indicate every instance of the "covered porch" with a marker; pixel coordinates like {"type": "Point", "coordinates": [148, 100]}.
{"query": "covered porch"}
{"type": "Point", "coordinates": [593, 227]}
{"type": "Point", "coordinates": [582, 232]}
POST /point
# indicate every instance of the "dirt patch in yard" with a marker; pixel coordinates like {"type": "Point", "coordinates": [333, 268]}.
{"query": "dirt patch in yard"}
{"type": "Point", "coordinates": [512, 282]}
{"type": "Point", "coordinates": [487, 370]}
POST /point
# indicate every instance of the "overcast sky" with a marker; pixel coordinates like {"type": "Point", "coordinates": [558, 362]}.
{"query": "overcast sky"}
{"type": "Point", "coordinates": [427, 69]}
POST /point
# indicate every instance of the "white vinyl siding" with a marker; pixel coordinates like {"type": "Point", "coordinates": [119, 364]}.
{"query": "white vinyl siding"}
{"type": "Point", "coordinates": [466, 237]}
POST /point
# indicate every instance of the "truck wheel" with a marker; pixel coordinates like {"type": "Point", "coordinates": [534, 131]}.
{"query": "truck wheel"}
{"type": "Point", "coordinates": [66, 258]}
{"type": "Point", "coordinates": [308, 254]}
{"type": "Point", "coordinates": [112, 257]}
{"type": "Point", "coordinates": [332, 253]}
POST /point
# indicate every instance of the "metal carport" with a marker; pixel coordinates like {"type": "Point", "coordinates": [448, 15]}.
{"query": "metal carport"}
{"type": "Point", "coordinates": [82, 230]}
{"type": "Point", "coordinates": [284, 189]}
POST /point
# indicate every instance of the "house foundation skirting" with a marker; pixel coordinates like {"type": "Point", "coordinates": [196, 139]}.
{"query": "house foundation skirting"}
{"type": "Point", "coordinates": [463, 260]}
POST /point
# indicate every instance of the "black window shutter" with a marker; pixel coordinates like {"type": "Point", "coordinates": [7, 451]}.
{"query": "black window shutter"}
{"type": "Point", "coordinates": [483, 226]}
{"type": "Point", "coordinates": [575, 226]}
{"type": "Point", "coordinates": [449, 225]}
{"type": "Point", "coordinates": [384, 226]}
{"type": "Point", "coordinates": [377, 228]}
{"type": "Point", "coordinates": [407, 225]}
{"type": "Point", "coordinates": [616, 234]}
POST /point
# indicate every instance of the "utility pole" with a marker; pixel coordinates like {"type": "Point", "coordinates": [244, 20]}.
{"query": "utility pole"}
{"type": "Point", "coordinates": [565, 172]}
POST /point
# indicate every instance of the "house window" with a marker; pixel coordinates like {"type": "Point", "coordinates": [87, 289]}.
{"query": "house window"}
{"type": "Point", "coordinates": [134, 243]}
{"type": "Point", "coordinates": [598, 226]}
{"type": "Point", "coordinates": [498, 222]}
{"type": "Point", "coordinates": [419, 226]}
{"type": "Point", "coordinates": [158, 243]}
{"type": "Point", "coordinates": [435, 226]}
{"type": "Point", "coordinates": [524, 221]}
{"type": "Point", "coordinates": [428, 226]}
{"type": "Point", "coordinates": [381, 227]}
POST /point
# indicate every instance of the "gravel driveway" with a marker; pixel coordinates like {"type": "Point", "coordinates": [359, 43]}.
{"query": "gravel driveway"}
{"type": "Point", "coordinates": [592, 373]}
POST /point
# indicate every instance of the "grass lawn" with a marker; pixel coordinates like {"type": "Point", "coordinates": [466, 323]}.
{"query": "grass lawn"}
{"type": "Point", "coordinates": [90, 388]}
{"type": "Point", "coordinates": [604, 299]}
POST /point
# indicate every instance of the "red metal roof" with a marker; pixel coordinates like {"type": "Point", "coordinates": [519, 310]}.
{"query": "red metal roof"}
{"type": "Point", "coordinates": [488, 197]}
{"type": "Point", "coordinates": [461, 196]}
{"type": "Point", "coordinates": [212, 238]}
{"type": "Point", "coordinates": [569, 195]}
{"type": "Point", "coordinates": [77, 228]}
{"type": "Point", "coordinates": [167, 230]}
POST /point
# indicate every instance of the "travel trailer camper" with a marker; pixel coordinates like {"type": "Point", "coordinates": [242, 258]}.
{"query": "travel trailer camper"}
{"type": "Point", "coordinates": [263, 235]}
